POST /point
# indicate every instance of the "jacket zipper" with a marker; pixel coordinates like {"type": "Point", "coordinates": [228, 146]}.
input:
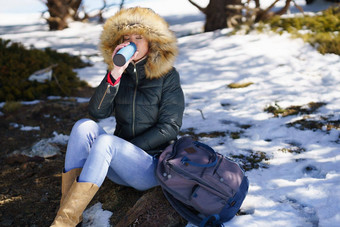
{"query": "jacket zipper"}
{"type": "Point", "coordinates": [134, 102]}
{"type": "Point", "coordinates": [101, 101]}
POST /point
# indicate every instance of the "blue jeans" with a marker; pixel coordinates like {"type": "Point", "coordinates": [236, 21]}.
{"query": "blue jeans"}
{"type": "Point", "coordinates": [100, 155]}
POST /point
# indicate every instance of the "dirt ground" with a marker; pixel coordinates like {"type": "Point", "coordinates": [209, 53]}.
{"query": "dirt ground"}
{"type": "Point", "coordinates": [30, 186]}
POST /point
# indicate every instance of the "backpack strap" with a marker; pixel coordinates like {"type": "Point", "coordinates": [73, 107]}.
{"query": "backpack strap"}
{"type": "Point", "coordinates": [234, 203]}
{"type": "Point", "coordinates": [212, 220]}
{"type": "Point", "coordinates": [186, 160]}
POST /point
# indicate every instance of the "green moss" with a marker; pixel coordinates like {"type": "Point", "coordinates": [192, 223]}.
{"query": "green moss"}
{"type": "Point", "coordinates": [324, 124]}
{"type": "Point", "coordinates": [10, 107]}
{"type": "Point", "coordinates": [294, 110]}
{"type": "Point", "coordinates": [239, 85]}
{"type": "Point", "coordinates": [276, 110]}
{"type": "Point", "coordinates": [17, 63]}
{"type": "Point", "coordinates": [255, 160]}
{"type": "Point", "coordinates": [235, 135]}
{"type": "Point", "coordinates": [191, 132]}
{"type": "Point", "coordinates": [293, 149]}
{"type": "Point", "coordinates": [321, 30]}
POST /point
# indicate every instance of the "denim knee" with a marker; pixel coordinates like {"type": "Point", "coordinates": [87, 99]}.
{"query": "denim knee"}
{"type": "Point", "coordinates": [82, 124]}
{"type": "Point", "coordinates": [105, 144]}
{"type": "Point", "coordinates": [97, 164]}
{"type": "Point", "coordinates": [86, 128]}
{"type": "Point", "coordinates": [83, 135]}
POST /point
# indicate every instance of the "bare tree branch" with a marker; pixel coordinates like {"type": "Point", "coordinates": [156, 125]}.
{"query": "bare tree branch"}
{"type": "Point", "coordinates": [121, 4]}
{"type": "Point", "coordinates": [232, 13]}
{"type": "Point", "coordinates": [202, 115]}
{"type": "Point", "coordinates": [271, 6]}
{"type": "Point", "coordinates": [197, 6]}
{"type": "Point", "coordinates": [284, 9]}
{"type": "Point", "coordinates": [298, 7]}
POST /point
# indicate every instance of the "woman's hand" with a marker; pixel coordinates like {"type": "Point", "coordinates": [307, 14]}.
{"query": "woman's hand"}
{"type": "Point", "coordinates": [117, 71]}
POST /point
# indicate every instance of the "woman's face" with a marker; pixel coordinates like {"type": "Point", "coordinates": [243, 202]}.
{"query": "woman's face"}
{"type": "Point", "coordinates": [141, 43]}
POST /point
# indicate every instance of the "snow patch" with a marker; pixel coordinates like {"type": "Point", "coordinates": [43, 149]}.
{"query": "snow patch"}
{"type": "Point", "coordinates": [95, 216]}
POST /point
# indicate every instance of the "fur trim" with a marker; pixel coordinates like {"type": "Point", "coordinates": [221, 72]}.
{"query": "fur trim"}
{"type": "Point", "coordinates": [143, 21]}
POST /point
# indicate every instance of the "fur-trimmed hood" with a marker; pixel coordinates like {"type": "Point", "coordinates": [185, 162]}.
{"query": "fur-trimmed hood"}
{"type": "Point", "coordinates": [143, 21]}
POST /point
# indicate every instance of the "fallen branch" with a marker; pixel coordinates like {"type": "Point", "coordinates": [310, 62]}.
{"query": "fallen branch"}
{"type": "Point", "coordinates": [201, 114]}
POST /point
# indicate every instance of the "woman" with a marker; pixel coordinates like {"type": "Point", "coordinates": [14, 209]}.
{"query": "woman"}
{"type": "Point", "coordinates": [147, 101]}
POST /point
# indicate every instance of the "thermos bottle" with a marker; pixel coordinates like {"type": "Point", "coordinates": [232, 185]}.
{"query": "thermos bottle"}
{"type": "Point", "coordinates": [124, 54]}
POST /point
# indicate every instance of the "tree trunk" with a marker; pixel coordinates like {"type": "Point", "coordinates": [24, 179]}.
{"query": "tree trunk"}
{"type": "Point", "coordinates": [215, 14]}
{"type": "Point", "coordinates": [220, 14]}
{"type": "Point", "coordinates": [60, 11]}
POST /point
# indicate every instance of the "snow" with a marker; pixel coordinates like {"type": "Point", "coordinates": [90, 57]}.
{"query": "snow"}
{"type": "Point", "coordinates": [96, 216]}
{"type": "Point", "coordinates": [289, 189]}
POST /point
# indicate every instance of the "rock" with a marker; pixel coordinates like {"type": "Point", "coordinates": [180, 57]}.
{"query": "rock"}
{"type": "Point", "coordinates": [152, 209]}
{"type": "Point", "coordinates": [44, 148]}
{"type": "Point", "coordinates": [41, 150]}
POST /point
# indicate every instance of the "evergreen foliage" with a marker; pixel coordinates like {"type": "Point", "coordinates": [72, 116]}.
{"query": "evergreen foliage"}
{"type": "Point", "coordinates": [320, 30]}
{"type": "Point", "coordinates": [17, 63]}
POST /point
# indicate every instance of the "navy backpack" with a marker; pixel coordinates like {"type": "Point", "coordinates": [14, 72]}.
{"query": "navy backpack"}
{"type": "Point", "coordinates": [203, 186]}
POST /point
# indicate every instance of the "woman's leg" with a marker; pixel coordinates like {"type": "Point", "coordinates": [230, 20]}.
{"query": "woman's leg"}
{"type": "Point", "coordinates": [131, 165]}
{"type": "Point", "coordinates": [76, 196]}
{"type": "Point", "coordinates": [82, 137]}
{"type": "Point", "coordinates": [113, 176]}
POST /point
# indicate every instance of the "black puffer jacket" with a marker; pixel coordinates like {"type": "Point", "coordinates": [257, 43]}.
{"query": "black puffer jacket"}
{"type": "Point", "coordinates": [148, 112]}
{"type": "Point", "coordinates": [148, 102]}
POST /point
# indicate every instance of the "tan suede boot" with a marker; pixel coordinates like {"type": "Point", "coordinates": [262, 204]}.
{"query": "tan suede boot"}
{"type": "Point", "coordinates": [67, 180]}
{"type": "Point", "coordinates": [75, 202]}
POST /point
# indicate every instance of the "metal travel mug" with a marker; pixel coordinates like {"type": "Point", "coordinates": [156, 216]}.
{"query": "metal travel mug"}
{"type": "Point", "coordinates": [124, 54]}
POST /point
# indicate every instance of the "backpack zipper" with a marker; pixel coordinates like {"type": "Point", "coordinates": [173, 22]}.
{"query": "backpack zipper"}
{"type": "Point", "coordinates": [218, 164]}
